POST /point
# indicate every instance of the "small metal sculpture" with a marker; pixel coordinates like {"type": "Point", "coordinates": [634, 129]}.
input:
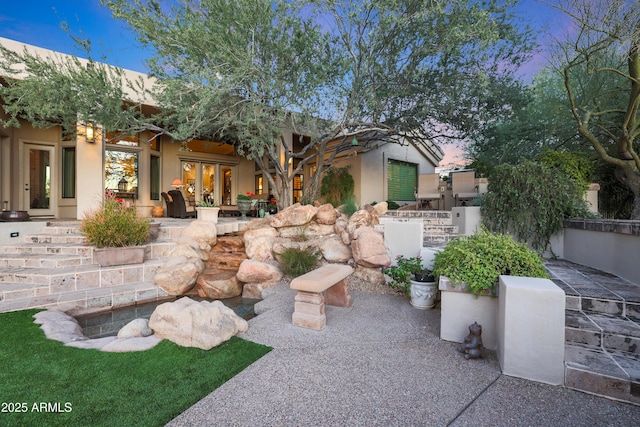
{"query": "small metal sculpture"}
{"type": "Point", "coordinates": [472, 345]}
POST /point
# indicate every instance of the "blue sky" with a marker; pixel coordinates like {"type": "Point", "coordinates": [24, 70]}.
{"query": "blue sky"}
{"type": "Point", "coordinates": [37, 22]}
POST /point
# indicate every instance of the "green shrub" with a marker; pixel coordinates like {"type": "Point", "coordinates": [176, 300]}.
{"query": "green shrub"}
{"type": "Point", "coordinates": [479, 259]}
{"type": "Point", "coordinates": [530, 201]}
{"type": "Point", "coordinates": [295, 262]}
{"type": "Point", "coordinates": [114, 225]}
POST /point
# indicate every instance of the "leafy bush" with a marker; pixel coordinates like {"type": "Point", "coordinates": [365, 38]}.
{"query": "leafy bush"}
{"type": "Point", "coordinates": [114, 225]}
{"type": "Point", "coordinates": [404, 270]}
{"type": "Point", "coordinates": [295, 262]}
{"type": "Point", "coordinates": [479, 259]}
{"type": "Point", "coordinates": [530, 201]}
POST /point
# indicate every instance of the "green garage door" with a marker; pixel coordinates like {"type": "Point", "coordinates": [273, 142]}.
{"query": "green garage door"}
{"type": "Point", "coordinates": [401, 180]}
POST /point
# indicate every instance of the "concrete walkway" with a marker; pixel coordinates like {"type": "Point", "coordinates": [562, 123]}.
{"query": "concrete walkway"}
{"type": "Point", "coordinates": [382, 363]}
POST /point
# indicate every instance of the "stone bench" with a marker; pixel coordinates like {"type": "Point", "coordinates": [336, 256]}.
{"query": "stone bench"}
{"type": "Point", "coordinates": [310, 300]}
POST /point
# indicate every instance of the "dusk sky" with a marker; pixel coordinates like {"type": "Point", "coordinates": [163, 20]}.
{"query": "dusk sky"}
{"type": "Point", "coordinates": [37, 22]}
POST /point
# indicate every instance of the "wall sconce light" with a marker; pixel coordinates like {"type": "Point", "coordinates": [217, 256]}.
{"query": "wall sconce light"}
{"type": "Point", "coordinates": [354, 143]}
{"type": "Point", "coordinates": [89, 133]}
{"type": "Point", "coordinates": [177, 183]}
{"type": "Point", "coordinates": [122, 185]}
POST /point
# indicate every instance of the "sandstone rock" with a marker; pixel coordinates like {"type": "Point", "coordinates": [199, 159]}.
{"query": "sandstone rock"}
{"type": "Point", "coordinates": [135, 328]}
{"type": "Point", "coordinates": [296, 214]}
{"type": "Point", "coordinates": [368, 248]}
{"type": "Point", "coordinates": [225, 260]}
{"type": "Point", "coordinates": [196, 324]}
{"type": "Point", "coordinates": [218, 284]}
{"type": "Point", "coordinates": [203, 232]}
{"type": "Point", "coordinates": [381, 208]}
{"type": "Point", "coordinates": [340, 228]}
{"type": "Point", "coordinates": [361, 218]}
{"type": "Point", "coordinates": [368, 275]}
{"type": "Point", "coordinates": [131, 344]}
{"type": "Point", "coordinates": [259, 248]}
{"type": "Point", "coordinates": [254, 290]}
{"type": "Point", "coordinates": [178, 275]}
{"type": "Point", "coordinates": [189, 248]}
{"type": "Point", "coordinates": [334, 250]}
{"type": "Point", "coordinates": [309, 230]}
{"type": "Point", "coordinates": [326, 214]}
{"type": "Point", "coordinates": [229, 244]}
{"type": "Point", "coordinates": [251, 271]}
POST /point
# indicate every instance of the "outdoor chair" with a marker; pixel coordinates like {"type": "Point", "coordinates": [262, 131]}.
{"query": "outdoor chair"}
{"type": "Point", "coordinates": [428, 190]}
{"type": "Point", "coordinates": [463, 186]}
{"type": "Point", "coordinates": [169, 202]}
{"type": "Point", "coordinates": [180, 207]}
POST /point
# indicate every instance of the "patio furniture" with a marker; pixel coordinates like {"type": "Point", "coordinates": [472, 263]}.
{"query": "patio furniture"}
{"type": "Point", "coordinates": [169, 202]}
{"type": "Point", "coordinates": [463, 186]}
{"type": "Point", "coordinates": [428, 189]}
{"type": "Point", "coordinates": [324, 284]}
{"type": "Point", "coordinates": [180, 207]}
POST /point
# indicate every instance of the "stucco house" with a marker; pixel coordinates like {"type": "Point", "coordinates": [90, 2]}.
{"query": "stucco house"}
{"type": "Point", "coordinates": [51, 176]}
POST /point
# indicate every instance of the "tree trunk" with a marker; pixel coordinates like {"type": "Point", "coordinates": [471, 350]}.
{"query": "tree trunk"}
{"type": "Point", "coordinates": [630, 177]}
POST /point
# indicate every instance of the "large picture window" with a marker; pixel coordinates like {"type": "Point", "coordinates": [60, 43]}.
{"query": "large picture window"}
{"type": "Point", "coordinates": [121, 173]}
{"type": "Point", "coordinates": [155, 178]}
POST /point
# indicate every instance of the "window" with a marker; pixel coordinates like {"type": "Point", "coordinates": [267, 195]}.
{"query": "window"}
{"type": "Point", "coordinates": [68, 172]}
{"type": "Point", "coordinates": [154, 179]}
{"type": "Point", "coordinates": [401, 180]}
{"type": "Point", "coordinates": [122, 166]}
{"type": "Point", "coordinates": [298, 182]}
{"type": "Point", "coordinates": [259, 185]}
{"type": "Point", "coordinates": [200, 181]}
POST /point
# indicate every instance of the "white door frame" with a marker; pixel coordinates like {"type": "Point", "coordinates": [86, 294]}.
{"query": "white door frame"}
{"type": "Point", "coordinates": [26, 185]}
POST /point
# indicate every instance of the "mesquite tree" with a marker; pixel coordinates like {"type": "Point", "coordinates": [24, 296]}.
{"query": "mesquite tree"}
{"type": "Point", "coordinates": [241, 71]}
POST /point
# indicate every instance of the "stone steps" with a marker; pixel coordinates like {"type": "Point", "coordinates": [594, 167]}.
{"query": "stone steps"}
{"type": "Point", "coordinates": [602, 331]}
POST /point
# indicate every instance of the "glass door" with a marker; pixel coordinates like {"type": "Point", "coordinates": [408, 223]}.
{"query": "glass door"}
{"type": "Point", "coordinates": [38, 180]}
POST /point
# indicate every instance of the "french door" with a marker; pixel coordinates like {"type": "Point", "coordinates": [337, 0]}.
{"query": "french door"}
{"type": "Point", "coordinates": [39, 180]}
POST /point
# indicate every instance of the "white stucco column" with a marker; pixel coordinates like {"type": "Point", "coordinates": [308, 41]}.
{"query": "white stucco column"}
{"type": "Point", "coordinates": [90, 174]}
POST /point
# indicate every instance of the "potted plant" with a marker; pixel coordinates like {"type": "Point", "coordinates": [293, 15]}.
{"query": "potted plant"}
{"type": "Point", "coordinates": [467, 271]}
{"type": "Point", "coordinates": [208, 210]}
{"type": "Point", "coordinates": [244, 203]}
{"type": "Point", "coordinates": [410, 277]}
{"type": "Point", "coordinates": [117, 233]}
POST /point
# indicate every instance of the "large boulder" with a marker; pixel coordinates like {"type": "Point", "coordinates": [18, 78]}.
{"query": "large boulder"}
{"type": "Point", "coordinates": [178, 275]}
{"type": "Point", "coordinates": [201, 324]}
{"type": "Point", "coordinates": [218, 284]}
{"type": "Point", "coordinates": [189, 248]}
{"type": "Point", "coordinates": [203, 232]}
{"type": "Point", "coordinates": [311, 229]}
{"type": "Point", "coordinates": [362, 218]}
{"type": "Point", "coordinates": [259, 242]}
{"type": "Point", "coordinates": [326, 214]}
{"type": "Point", "coordinates": [257, 277]}
{"type": "Point", "coordinates": [381, 208]}
{"type": "Point", "coordinates": [368, 248]}
{"type": "Point", "coordinates": [296, 214]}
{"type": "Point", "coordinates": [334, 250]}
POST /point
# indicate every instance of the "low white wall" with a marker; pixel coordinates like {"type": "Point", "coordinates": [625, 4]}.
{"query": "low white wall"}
{"type": "Point", "coordinates": [607, 245]}
{"type": "Point", "coordinates": [21, 228]}
{"type": "Point", "coordinates": [467, 218]}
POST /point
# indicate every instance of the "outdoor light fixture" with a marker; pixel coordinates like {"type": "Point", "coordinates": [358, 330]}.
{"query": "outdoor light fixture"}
{"type": "Point", "coordinates": [122, 185]}
{"type": "Point", "coordinates": [89, 133]}
{"type": "Point", "coordinates": [177, 183]}
{"type": "Point", "coordinates": [354, 142]}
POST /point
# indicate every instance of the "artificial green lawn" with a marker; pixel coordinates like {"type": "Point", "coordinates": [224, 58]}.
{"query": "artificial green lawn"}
{"type": "Point", "coordinates": [147, 388]}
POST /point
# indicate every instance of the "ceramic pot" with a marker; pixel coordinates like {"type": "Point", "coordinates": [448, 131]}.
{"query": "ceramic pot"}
{"type": "Point", "coordinates": [208, 214]}
{"type": "Point", "coordinates": [14, 216]}
{"type": "Point", "coordinates": [157, 211]}
{"type": "Point", "coordinates": [423, 294]}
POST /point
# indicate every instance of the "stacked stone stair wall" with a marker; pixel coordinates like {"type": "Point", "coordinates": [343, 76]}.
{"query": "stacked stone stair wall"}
{"type": "Point", "coordinates": [438, 228]}
{"type": "Point", "coordinates": [56, 267]}
{"type": "Point", "coordinates": [602, 331]}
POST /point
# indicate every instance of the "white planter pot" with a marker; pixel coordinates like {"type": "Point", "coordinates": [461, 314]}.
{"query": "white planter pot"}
{"type": "Point", "coordinates": [423, 294]}
{"type": "Point", "coordinates": [208, 214]}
